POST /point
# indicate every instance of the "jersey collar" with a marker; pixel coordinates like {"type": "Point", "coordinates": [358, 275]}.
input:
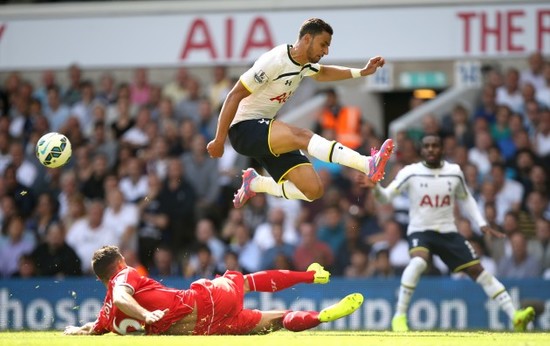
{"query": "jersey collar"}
{"type": "Point", "coordinates": [288, 47]}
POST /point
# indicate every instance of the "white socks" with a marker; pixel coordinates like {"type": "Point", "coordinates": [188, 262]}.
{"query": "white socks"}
{"type": "Point", "coordinates": [328, 151]}
{"type": "Point", "coordinates": [409, 279]}
{"type": "Point", "coordinates": [496, 290]}
{"type": "Point", "coordinates": [286, 190]}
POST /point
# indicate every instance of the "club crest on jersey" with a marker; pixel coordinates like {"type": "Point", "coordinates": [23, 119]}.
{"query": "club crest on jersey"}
{"type": "Point", "coordinates": [260, 77]}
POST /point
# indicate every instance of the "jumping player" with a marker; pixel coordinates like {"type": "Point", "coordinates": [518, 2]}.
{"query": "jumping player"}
{"type": "Point", "coordinates": [249, 111]}
{"type": "Point", "coordinates": [432, 186]}
{"type": "Point", "coordinates": [137, 304]}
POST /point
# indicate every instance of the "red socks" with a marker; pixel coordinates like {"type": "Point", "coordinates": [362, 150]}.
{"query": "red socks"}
{"type": "Point", "coordinates": [276, 280]}
{"type": "Point", "coordinates": [296, 321]}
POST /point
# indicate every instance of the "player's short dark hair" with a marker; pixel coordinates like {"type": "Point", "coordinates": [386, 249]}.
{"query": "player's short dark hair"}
{"type": "Point", "coordinates": [315, 26]}
{"type": "Point", "coordinates": [104, 261]}
{"type": "Point", "coordinates": [436, 135]}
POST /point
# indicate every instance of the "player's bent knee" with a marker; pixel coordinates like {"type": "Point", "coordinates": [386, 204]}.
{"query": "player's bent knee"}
{"type": "Point", "coordinates": [314, 192]}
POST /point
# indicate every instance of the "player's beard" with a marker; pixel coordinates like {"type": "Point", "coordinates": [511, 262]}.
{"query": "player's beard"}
{"type": "Point", "coordinates": [311, 57]}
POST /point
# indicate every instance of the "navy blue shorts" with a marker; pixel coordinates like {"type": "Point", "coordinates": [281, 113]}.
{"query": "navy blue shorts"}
{"type": "Point", "coordinates": [251, 138]}
{"type": "Point", "coordinates": [453, 248]}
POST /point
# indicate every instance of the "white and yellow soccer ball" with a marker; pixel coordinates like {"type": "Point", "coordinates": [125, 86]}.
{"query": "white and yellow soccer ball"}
{"type": "Point", "coordinates": [53, 150]}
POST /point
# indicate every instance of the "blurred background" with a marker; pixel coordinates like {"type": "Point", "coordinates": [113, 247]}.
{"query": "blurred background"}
{"type": "Point", "coordinates": [137, 87]}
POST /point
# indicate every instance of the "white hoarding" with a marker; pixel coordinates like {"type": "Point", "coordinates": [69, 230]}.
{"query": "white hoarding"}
{"type": "Point", "coordinates": [398, 33]}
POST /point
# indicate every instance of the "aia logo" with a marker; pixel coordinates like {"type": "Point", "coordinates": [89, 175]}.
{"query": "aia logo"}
{"type": "Point", "coordinates": [282, 98]}
{"type": "Point", "coordinates": [435, 201]}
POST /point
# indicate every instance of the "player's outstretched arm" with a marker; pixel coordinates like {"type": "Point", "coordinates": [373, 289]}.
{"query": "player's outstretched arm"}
{"type": "Point", "coordinates": [229, 109]}
{"type": "Point", "coordinates": [331, 73]}
{"type": "Point", "coordinates": [123, 299]}
{"type": "Point", "coordinates": [86, 329]}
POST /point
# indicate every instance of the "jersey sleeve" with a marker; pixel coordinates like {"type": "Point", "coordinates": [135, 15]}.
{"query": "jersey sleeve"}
{"type": "Point", "coordinates": [396, 187]}
{"type": "Point", "coordinates": [259, 75]}
{"type": "Point", "coordinates": [468, 202]}
{"type": "Point", "coordinates": [312, 69]}
{"type": "Point", "coordinates": [128, 277]}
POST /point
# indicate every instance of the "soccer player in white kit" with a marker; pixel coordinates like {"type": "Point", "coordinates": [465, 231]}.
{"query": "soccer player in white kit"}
{"type": "Point", "coordinates": [433, 186]}
{"type": "Point", "coordinates": [248, 117]}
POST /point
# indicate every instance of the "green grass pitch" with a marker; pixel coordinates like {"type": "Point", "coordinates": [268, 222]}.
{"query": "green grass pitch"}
{"type": "Point", "coordinates": [283, 338]}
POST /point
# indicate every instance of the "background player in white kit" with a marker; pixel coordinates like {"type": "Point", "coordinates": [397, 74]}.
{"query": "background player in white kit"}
{"type": "Point", "coordinates": [248, 113]}
{"type": "Point", "coordinates": [432, 186]}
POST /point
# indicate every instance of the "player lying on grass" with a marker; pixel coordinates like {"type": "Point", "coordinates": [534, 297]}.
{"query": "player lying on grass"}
{"type": "Point", "coordinates": [209, 307]}
{"type": "Point", "coordinates": [433, 186]}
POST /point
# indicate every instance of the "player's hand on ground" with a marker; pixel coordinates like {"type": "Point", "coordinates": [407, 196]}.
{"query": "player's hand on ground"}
{"type": "Point", "coordinates": [73, 330]}
{"type": "Point", "coordinates": [492, 232]}
{"type": "Point", "coordinates": [155, 316]}
{"type": "Point", "coordinates": [364, 181]}
{"type": "Point", "coordinates": [215, 148]}
{"type": "Point", "coordinates": [373, 64]}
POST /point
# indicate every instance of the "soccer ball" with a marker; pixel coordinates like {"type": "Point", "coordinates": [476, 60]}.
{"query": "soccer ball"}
{"type": "Point", "coordinates": [53, 150]}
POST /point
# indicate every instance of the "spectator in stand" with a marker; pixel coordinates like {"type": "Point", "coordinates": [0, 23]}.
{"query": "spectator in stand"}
{"type": "Point", "coordinates": [256, 212]}
{"type": "Point", "coordinates": [479, 154]}
{"type": "Point", "coordinates": [56, 112]}
{"type": "Point", "coordinates": [202, 172]}
{"type": "Point", "coordinates": [279, 247]}
{"type": "Point", "coordinates": [231, 262]}
{"type": "Point", "coordinates": [543, 93]}
{"type": "Point", "coordinates": [331, 228]}
{"type": "Point", "coordinates": [208, 120]}
{"type": "Point", "coordinates": [250, 255]}
{"type": "Point", "coordinates": [230, 165]}
{"type": "Point", "coordinates": [48, 80]}
{"type": "Point", "coordinates": [72, 95]}
{"type": "Point", "coordinates": [5, 158]}
{"type": "Point", "coordinates": [26, 170]}
{"type": "Point", "coordinates": [44, 215]}
{"type": "Point", "coordinates": [531, 116]}
{"type": "Point", "coordinates": [55, 257]}
{"type": "Point", "coordinates": [540, 246]}
{"type": "Point", "coordinates": [510, 94]}
{"type": "Point", "coordinates": [186, 131]}
{"type": "Point", "coordinates": [352, 242]}
{"type": "Point", "coordinates": [311, 249]}
{"type": "Point", "coordinates": [204, 266]}
{"type": "Point", "coordinates": [134, 185]}
{"type": "Point", "coordinates": [395, 243]}
{"type": "Point", "coordinates": [207, 234]}
{"type": "Point", "coordinates": [344, 120]}
{"type": "Point", "coordinates": [107, 93]}
{"type": "Point", "coordinates": [89, 234]}
{"type": "Point", "coordinates": [176, 90]}
{"type": "Point", "coordinates": [140, 89]}
{"type": "Point", "coordinates": [92, 186]}
{"type": "Point", "coordinates": [488, 106]}
{"type": "Point", "coordinates": [164, 264]}
{"type": "Point", "coordinates": [534, 75]}
{"type": "Point", "coordinates": [541, 141]}
{"type": "Point", "coordinates": [188, 108]}
{"type": "Point", "coordinates": [153, 222]}
{"type": "Point", "coordinates": [457, 125]}
{"type": "Point", "coordinates": [157, 157]}
{"type": "Point", "coordinates": [220, 87]}
{"type": "Point", "coordinates": [26, 268]}
{"type": "Point", "coordinates": [359, 266]}
{"type": "Point", "coordinates": [263, 234]}
{"type": "Point", "coordinates": [19, 241]}
{"type": "Point", "coordinates": [24, 197]}
{"type": "Point", "coordinates": [76, 211]}
{"type": "Point", "coordinates": [178, 199]}
{"type": "Point", "coordinates": [122, 119]}
{"type": "Point", "coordinates": [471, 177]}
{"type": "Point", "coordinates": [520, 264]}
{"type": "Point", "coordinates": [136, 136]}
{"type": "Point", "coordinates": [382, 267]}
{"type": "Point", "coordinates": [83, 108]}
{"type": "Point", "coordinates": [229, 227]}
{"type": "Point", "coordinates": [121, 218]}
{"type": "Point", "coordinates": [509, 193]}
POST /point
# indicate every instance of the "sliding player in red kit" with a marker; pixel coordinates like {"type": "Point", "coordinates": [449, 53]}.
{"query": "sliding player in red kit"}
{"type": "Point", "coordinates": [136, 303]}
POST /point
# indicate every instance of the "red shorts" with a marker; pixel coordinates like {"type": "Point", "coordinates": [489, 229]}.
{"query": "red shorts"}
{"type": "Point", "coordinates": [220, 306]}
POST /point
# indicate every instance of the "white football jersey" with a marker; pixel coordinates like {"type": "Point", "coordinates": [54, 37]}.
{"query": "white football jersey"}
{"type": "Point", "coordinates": [271, 81]}
{"type": "Point", "coordinates": [432, 194]}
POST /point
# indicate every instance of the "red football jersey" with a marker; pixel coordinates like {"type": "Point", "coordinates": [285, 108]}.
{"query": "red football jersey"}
{"type": "Point", "coordinates": [152, 296]}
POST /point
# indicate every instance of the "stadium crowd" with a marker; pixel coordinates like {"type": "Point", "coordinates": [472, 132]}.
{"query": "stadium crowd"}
{"type": "Point", "coordinates": [140, 178]}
